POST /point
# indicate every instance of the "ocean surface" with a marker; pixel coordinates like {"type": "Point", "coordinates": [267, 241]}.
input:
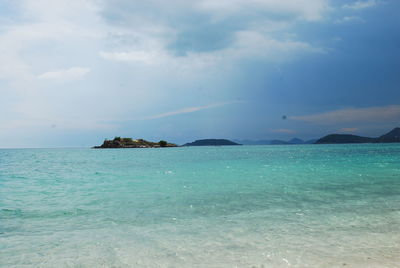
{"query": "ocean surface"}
{"type": "Point", "coordinates": [236, 206]}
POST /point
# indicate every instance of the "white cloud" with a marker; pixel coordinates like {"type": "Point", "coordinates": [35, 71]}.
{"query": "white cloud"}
{"type": "Point", "coordinates": [255, 44]}
{"type": "Point", "coordinates": [42, 27]}
{"type": "Point", "coordinates": [349, 19]}
{"type": "Point", "coordinates": [361, 4]}
{"type": "Point", "coordinates": [65, 74]}
{"type": "Point", "coordinates": [379, 114]}
{"type": "Point", "coordinates": [54, 12]}
{"type": "Point", "coordinates": [46, 123]}
{"type": "Point", "coordinates": [304, 9]}
{"type": "Point", "coordinates": [190, 110]}
{"type": "Point", "coordinates": [143, 56]}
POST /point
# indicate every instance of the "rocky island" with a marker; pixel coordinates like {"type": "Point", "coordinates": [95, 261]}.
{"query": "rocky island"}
{"type": "Point", "coordinates": [119, 142]}
{"type": "Point", "coordinates": [211, 142]}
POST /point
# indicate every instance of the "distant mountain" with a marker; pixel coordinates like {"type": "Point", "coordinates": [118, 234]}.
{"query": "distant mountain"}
{"type": "Point", "coordinates": [275, 142]}
{"type": "Point", "coordinates": [312, 141]}
{"type": "Point", "coordinates": [344, 138]}
{"type": "Point", "coordinates": [278, 142]}
{"type": "Point", "coordinates": [211, 142]}
{"type": "Point", "coordinates": [251, 142]}
{"type": "Point", "coordinates": [392, 136]}
{"type": "Point", "coordinates": [296, 141]}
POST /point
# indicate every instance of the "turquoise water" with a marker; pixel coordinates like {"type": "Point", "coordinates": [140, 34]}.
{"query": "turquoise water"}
{"type": "Point", "coordinates": [245, 206]}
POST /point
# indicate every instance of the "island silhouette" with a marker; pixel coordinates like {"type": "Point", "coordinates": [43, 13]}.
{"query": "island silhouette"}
{"type": "Point", "coordinates": [118, 142]}
{"type": "Point", "coordinates": [390, 137]}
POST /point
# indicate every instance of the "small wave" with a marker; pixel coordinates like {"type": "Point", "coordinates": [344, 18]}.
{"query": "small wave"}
{"type": "Point", "coordinates": [12, 213]}
{"type": "Point", "coordinates": [6, 212]}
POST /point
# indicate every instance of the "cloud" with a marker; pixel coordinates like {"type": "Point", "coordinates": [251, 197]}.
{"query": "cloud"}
{"type": "Point", "coordinates": [43, 32]}
{"type": "Point", "coordinates": [283, 130]}
{"type": "Point", "coordinates": [245, 45]}
{"type": "Point", "coordinates": [151, 32]}
{"type": "Point", "coordinates": [361, 4]}
{"type": "Point", "coordinates": [204, 32]}
{"type": "Point", "coordinates": [348, 129]}
{"type": "Point", "coordinates": [48, 123]}
{"type": "Point", "coordinates": [141, 56]}
{"type": "Point", "coordinates": [65, 74]}
{"type": "Point", "coordinates": [349, 19]}
{"type": "Point", "coordinates": [304, 9]}
{"type": "Point", "coordinates": [190, 110]}
{"type": "Point", "coordinates": [257, 45]}
{"type": "Point", "coordinates": [376, 114]}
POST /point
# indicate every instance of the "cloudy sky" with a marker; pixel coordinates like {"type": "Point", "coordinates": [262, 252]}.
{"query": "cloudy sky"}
{"type": "Point", "coordinates": [73, 72]}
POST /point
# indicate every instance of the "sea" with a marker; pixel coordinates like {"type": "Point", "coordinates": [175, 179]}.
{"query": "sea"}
{"type": "Point", "coordinates": [230, 206]}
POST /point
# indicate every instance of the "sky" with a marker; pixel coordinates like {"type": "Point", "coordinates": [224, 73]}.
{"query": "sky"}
{"type": "Point", "coordinates": [73, 73]}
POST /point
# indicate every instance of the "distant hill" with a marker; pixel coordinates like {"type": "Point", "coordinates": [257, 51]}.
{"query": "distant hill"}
{"type": "Point", "coordinates": [275, 142]}
{"type": "Point", "coordinates": [392, 136]}
{"type": "Point", "coordinates": [312, 141]}
{"type": "Point", "coordinates": [296, 141]}
{"type": "Point", "coordinates": [344, 138]}
{"type": "Point", "coordinates": [211, 142]}
{"type": "Point", "coordinates": [253, 142]}
{"type": "Point", "coordinates": [279, 142]}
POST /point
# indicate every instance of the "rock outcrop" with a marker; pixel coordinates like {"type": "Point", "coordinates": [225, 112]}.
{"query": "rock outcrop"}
{"type": "Point", "coordinates": [119, 142]}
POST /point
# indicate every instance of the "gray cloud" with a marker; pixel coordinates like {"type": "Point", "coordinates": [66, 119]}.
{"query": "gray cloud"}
{"type": "Point", "coordinates": [378, 114]}
{"type": "Point", "coordinates": [185, 27]}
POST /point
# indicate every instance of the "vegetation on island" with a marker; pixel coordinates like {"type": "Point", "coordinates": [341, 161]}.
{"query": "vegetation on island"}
{"type": "Point", "coordinates": [119, 142]}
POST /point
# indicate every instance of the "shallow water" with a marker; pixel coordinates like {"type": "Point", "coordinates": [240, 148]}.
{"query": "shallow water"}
{"type": "Point", "coordinates": [245, 206]}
